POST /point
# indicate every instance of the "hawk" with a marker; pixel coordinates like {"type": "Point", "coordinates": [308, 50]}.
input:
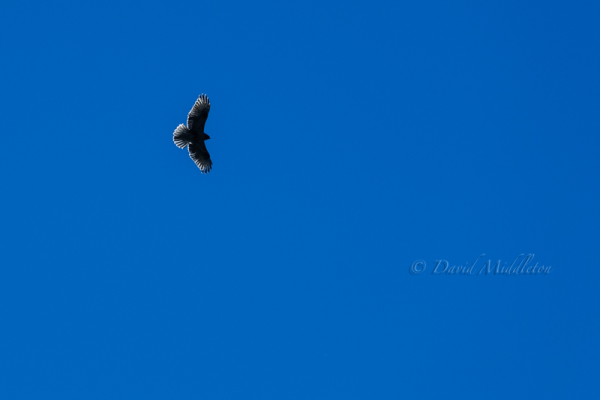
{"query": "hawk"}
{"type": "Point", "coordinates": [193, 135]}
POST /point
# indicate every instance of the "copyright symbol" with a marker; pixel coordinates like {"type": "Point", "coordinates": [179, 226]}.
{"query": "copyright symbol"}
{"type": "Point", "coordinates": [417, 267]}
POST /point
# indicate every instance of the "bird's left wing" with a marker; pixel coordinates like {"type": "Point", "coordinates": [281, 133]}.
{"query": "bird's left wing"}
{"type": "Point", "coordinates": [200, 155]}
{"type": "Point", "coordinates": [198, 114]}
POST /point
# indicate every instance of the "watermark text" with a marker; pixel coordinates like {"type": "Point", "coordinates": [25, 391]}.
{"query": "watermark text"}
{"type": "Point", "coordinates": [522, 265]}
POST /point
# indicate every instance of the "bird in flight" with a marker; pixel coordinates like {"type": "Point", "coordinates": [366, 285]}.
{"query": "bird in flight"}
{"type": "Point", "coordinates": [193, 135]}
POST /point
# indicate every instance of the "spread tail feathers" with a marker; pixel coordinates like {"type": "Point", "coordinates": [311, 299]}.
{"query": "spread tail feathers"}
{"type": "Point", "coordinates": [182, 136]}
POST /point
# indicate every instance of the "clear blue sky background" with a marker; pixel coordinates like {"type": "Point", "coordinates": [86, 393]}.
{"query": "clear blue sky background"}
{"type": "Point", "coordinates": [349, 139]}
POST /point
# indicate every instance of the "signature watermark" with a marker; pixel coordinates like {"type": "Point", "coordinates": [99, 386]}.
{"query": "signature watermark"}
{"type": "Point", "coordinates": [521, 265]}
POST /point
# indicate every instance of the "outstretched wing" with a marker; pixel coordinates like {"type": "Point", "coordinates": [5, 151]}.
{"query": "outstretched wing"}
{"type": "Point", "coordinates": [197, 116]}
{"type": "Point", "coordinates": [200, 155]}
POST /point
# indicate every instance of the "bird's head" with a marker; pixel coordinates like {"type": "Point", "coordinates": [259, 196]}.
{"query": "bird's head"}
{"type": "Point", "coordinates": [206, 137]}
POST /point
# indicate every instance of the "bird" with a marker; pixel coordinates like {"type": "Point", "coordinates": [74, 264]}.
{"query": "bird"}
{"type": "Point", "coordinates": [193, 135]}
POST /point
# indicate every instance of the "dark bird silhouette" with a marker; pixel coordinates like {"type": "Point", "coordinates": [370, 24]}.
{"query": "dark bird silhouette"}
{"type": "Point", "coordinates": [193, 135]}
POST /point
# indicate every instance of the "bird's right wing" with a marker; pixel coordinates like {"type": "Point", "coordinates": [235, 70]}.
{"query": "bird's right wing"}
{"type": "Point", "coordinates": [200, 155]}
{"type": "Point", "coordinates": [198, 114]}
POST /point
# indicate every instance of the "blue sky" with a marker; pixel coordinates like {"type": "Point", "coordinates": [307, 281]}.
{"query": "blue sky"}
{"type": "Point", "coordinates": [349, 139]}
